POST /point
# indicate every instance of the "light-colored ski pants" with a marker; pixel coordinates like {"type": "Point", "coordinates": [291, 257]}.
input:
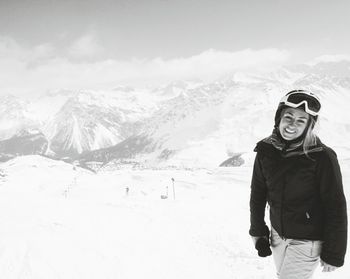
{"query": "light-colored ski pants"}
{"type": "Point", "coordinates": [295, 259]}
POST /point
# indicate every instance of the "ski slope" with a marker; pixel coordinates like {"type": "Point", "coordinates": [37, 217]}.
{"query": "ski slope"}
{"type": "Point", "coordinates": [58, 221]}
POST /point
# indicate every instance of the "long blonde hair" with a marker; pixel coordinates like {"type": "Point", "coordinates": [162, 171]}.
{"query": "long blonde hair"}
{"type": "Point", "coordinates": [310, 137]}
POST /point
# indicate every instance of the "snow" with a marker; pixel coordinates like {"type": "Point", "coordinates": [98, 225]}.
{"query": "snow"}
{"type": "Point", "coordinates": [60, 221]}
{"type": "Point", "coordinates": [104, 137]}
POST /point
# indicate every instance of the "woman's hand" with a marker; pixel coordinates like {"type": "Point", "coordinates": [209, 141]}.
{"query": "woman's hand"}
{"type": "Point", "coordinates": [327, 267]}
{"type": "Point", "coordinates": [262, 245]}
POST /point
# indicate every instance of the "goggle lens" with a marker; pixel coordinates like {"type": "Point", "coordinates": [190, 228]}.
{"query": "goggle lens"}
{"type": "Point", "coordinates": [312, 103]}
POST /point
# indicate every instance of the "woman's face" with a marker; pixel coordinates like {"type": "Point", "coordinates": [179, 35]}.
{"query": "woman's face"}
{"type": "Point", "coordinates": [293, 123]}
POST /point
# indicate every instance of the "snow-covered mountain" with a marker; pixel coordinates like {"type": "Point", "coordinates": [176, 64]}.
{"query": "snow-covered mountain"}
{"type": "Point", "coordinates": [75, 122]}
{"type": "Point", "coordinates": [207, 124]}
{"type": "Point", "coordinates": [14, 116]}
{"type": "Point", "coordinates": [185, 123]}
{"type": "Point", "coordinates": [24, 143]}
{"type": "Point", "coordinates": [81, 125]}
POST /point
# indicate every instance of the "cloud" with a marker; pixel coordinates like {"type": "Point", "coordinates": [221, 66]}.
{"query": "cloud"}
{"type": "Point", "coordinates": [44, 51]}
{"type": "Point", "coordinates": [8, 47]}
{"type": "Point", "coordinates": [330, 58]}
{"type": "Point", "coordinates": [42, 68]}
{"type": "Point", "coordinates": [212, 64]}
{"type": "Point", "coordinates": [85, 46]}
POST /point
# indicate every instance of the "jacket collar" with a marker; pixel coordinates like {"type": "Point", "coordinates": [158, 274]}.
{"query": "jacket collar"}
{"type": "Point", "coordinates": [274, 144]}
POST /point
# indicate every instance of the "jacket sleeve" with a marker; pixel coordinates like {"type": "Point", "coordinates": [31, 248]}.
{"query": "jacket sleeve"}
{"type": "Point", "coordinates": [257, 200]}
{"type": "Point", "coordinates": [334, 203]}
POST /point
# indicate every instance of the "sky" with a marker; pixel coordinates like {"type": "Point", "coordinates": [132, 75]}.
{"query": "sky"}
{"type": "Point", "coordinates": [50, 44]}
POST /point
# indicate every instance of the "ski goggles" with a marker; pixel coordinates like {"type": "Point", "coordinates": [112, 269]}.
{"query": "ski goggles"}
{"type": "Point", "coordinates": [297, 98]}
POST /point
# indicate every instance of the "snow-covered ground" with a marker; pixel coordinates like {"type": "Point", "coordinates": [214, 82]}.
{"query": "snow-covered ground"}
{"type": "Point", "coordinates": [57, 221]}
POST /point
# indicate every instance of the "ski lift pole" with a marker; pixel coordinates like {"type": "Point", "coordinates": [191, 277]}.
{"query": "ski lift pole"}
{"type": "Point", "coordinates": [172, 179]}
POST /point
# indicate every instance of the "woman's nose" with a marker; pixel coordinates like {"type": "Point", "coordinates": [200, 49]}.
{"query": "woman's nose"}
{"type": "Point", "coordinates": [292, 122]}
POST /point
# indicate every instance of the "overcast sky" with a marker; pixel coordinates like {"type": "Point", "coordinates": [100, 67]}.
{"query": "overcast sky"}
{"type": "Point", "coordinates": [89, 43]}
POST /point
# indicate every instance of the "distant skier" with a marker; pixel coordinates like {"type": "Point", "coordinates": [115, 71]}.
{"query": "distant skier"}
{"type": "Point", "coordinates": [166, 195]}
{"type": "Point", "coordinates": [300, 179]}
{"type": "Point", "coordinates": [127, 190]}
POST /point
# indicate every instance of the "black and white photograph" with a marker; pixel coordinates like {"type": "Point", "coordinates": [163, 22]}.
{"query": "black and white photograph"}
{"type": "Point", "coordinates": [185, 139]}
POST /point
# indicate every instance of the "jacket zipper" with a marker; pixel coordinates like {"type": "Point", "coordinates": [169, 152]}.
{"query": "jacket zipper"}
{"type": "Point", "coordinates": [282, 205]}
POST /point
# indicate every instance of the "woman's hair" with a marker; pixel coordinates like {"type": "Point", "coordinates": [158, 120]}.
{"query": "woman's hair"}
{"type": "Point", "coordinates": [310, 136]}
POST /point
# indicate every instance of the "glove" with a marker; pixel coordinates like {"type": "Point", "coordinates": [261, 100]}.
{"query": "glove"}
{"type": "Point", "coordinates": [263, 247]}
{"type": "Point", "coordinates": [263, 244]}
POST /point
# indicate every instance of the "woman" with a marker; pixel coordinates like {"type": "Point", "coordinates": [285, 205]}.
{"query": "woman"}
{"type": "Point", "coordinates": [300, 179]}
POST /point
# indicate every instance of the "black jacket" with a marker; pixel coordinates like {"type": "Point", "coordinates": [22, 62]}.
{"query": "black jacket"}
{"type": "Point", "coordinates": [305, 196]}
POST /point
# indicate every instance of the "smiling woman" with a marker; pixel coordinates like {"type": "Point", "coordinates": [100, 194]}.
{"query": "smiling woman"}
{"type": "Point", "coordinates": [299, 177]}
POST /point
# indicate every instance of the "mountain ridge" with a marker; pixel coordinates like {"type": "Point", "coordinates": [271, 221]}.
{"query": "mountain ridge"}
{"type": "Point", "coordinates": [184, 122]}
